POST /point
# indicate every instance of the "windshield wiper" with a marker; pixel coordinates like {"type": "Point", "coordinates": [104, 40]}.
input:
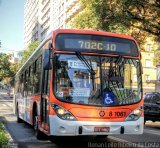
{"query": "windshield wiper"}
{"type": "Point", "coordinates": [119, 60]}
{"type": "Point", "coordinates": [84, 60]}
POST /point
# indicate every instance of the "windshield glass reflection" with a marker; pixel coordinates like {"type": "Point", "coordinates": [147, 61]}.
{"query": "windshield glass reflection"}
{"type": "Point", "coordinates": [97, 80]}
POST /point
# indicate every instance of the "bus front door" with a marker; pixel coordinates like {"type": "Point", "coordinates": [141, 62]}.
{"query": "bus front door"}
{"type": "Point", "coordinates": [45, 100]}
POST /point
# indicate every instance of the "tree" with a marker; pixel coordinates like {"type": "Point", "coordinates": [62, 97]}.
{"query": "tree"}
{"type": "Point", "coordinates": [121, 16]}
{"type": "Point", "coordinates": [24, 55]}
{"type": "Point", "coordinates": [5, 70]}
{"type": "Point", "coordinates": [14, 68]}
{"type": "Point", "coordinates": [8, 69]}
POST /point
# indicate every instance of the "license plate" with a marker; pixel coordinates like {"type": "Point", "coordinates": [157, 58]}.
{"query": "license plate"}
{"type": "Point", "coordinates": [101, 129]}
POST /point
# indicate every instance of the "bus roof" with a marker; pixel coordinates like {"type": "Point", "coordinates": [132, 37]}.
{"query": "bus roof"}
{"type": "Point", "coordinates": [93, 32]}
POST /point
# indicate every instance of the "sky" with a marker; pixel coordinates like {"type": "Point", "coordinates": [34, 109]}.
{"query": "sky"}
{"type": "Point", "coordinates": [11, 25]}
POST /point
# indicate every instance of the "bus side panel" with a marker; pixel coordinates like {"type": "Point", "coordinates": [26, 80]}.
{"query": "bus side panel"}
{"type": "Point", "coordinates": [27, 109]}
{"type": "Point", "coordinates": [25, 106]}
{"type": "Point", "coordinates": [34, 106]}
{"type": "Point", "coordinates": [20, 105]}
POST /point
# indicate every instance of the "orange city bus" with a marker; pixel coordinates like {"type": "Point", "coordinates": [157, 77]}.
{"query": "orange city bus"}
{"type": "Point", "coordinates": [82, 82]}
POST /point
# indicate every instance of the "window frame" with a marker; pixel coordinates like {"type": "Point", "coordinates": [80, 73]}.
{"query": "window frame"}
{"type": "Point", "coordinates": [54, 85]}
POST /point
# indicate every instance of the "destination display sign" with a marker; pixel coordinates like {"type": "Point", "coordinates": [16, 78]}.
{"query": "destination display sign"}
{"type": "Point", "coordinates": [96, 43]}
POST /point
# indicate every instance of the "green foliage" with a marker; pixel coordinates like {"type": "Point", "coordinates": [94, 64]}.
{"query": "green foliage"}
{"type": "Point", "coordinates": [138, 18]}
{"type": "Point", "coordinates": [5, 66]}
{"type": "Point", "coordinates": [90, 21]}
{"type": "Point", "coordinates": [121, 16]}
{"type": "Point", "coordinates": [14, 68]}
{"type": "Point", "coordinates": [7, 69]}
{"type": "Point", "coordinates": [3, 136]}
{"type": "Point", "coordinates": [24, 55]}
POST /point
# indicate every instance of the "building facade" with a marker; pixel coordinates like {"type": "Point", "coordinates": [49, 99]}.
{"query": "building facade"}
{"type": "Point", "coordinates": [42, 16]}
{"type": "Point", "coordinates": [149, 71]}
{"type": "Point", "coordinates": [158, 79]}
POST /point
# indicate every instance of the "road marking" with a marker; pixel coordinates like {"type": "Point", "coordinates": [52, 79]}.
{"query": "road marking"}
{"type": "Point", "coordinates": [152, 132]}
{"type": "Point", "coordinates": [125, 142]}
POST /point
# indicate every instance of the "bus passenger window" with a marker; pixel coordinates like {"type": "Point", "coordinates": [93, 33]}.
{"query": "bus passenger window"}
{"type": "Point", "coordinates": [37, 74]}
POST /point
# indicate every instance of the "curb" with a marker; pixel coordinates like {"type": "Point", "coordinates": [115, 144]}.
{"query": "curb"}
{"type": "Point", "coordinates": [12, 143]}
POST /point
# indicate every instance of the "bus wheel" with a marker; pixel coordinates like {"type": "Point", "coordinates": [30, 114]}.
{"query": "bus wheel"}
{"type": "Point", "coordinates": [38, 133]}
{"type": "Point", "coordinates": [17, 114]}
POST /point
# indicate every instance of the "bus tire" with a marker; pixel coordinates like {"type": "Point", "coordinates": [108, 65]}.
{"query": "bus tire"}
{"type": "Point", "coordinates": [39, 135]}
{"type": "Point", "coordinates": [19, 120]}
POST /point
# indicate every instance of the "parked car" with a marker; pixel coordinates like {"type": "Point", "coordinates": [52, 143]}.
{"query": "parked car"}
{"type": "Point", "coordinates": [152, 106]}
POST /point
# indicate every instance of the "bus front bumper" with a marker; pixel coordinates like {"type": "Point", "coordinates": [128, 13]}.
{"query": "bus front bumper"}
{"type": "Point", "coordinates": [59, 127]}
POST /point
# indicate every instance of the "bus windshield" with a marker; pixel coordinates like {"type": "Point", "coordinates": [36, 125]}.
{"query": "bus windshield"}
{"type": "Point", "coordinates": [97, 80]}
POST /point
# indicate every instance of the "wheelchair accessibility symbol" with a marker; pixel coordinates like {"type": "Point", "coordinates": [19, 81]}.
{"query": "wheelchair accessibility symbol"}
{"type": "Point", "coordinates": [109, 98]}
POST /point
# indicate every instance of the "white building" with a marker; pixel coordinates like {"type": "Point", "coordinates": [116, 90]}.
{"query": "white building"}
{"type": "Point", "coordinates": [42, 16]}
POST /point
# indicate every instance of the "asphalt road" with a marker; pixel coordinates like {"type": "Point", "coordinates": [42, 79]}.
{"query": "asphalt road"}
{"type": "Point", "coordinates": [24, 137]}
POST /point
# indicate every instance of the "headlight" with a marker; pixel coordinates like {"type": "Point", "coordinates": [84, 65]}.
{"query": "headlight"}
{"type": "Point", "coordinates": [62, 113]}
{"type": "Point", "coordinates": [135, 114]}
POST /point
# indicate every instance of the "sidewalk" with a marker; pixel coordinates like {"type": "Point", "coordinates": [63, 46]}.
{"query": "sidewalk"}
{"type": "Point", "coordinates": [6, 104]}
{"type": "Point", "coordinates": [6, 110]}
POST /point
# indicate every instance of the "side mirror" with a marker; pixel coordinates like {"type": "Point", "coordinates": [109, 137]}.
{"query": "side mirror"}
{"type": "Point", "coordinates": [47, 64]}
